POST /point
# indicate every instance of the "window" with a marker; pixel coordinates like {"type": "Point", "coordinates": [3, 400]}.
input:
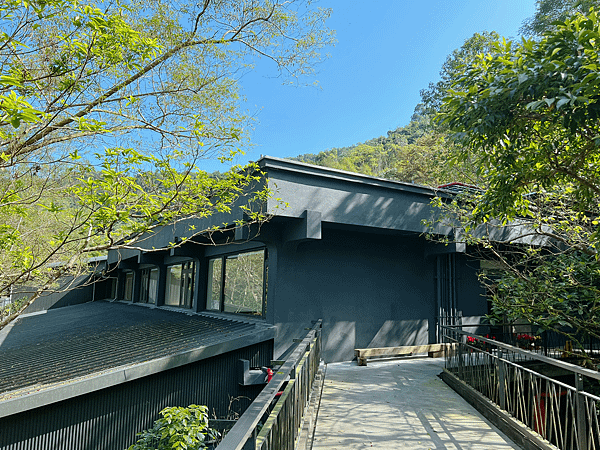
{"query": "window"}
{"type": "Point", "coordinates": [113, 288]}
{"type": "Point", "coordinates": [215, 278]}
{"type": "Point", "coordinates": [180, 285]}
{"type": "Point", "coordinates": [128, 287]}
{"type": "Point", "coordinates": [108, 289]}
{"type": "Point", "coordinates": [149, 285]}
{"type": "Point", "coordinates": [236, 283]}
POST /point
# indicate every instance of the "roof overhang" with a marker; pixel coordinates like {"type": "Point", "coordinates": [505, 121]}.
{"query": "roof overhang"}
{"type": "Point", "coordinates": [238, 334]}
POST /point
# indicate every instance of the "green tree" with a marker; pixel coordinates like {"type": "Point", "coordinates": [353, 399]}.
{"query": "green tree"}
{"type": "Point", "coordinates": [178, 428]}
{"type": "Point", "coordinates": [550, 11]}
{"type": "Point", "coordinates": [433, 96]}
{"type": "Point", "coordinates": [528, 115]}
{"type": "Point", "coordinates": [431, 101]}
{"type": "Point", "coordinates": [108, 110]}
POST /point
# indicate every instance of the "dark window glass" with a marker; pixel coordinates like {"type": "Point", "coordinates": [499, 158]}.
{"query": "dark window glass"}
{"type": "Point", "coordinates": [215, 285]}
{"type": "Point", "coordinates": [236, 283]}
{"type": "Point", "coordinates": [128, 288]}
{"type": "Point", "coordinates": [113, 288]}
{"type": "Point", "coordinates": [180, 285]}
{"type": "Point", "coordinates": [149, 285]}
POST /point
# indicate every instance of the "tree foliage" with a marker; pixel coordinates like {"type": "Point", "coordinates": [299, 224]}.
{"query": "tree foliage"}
{"type": "Point", "coordinates": [71, 70]}
{"type": "Point", "coordinates": [550, 11]}
{"type": "Point", "coordinates": [108, 110]}
{"type": "Point", "coordinates": [528, 115]}
{"type": "Point", "coordinates": [178, 428]}
{"type": "Point", "coordinates": [413, 154]}
{"type": "Point", "coordinates": [530, 112]}
{"type": "Point", "coordinates": [433, 96]}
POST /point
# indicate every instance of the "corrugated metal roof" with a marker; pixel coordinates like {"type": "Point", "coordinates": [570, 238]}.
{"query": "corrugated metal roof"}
{"type": "Point", "coordinates": [40, 351]}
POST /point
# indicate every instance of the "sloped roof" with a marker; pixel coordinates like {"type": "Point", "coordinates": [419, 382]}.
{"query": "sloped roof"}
{"type": "Point", "coordinates": [334, 196]}
{"type": "Point", "coordinates": [305, 169]}
{"type": "Point", "coordinates": [347, 198]}
{"type": "Point", "coordinates": [73, 350]}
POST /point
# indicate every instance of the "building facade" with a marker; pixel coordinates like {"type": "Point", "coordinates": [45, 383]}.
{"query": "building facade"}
{"type": "Point", "coordinates": [344, 247]}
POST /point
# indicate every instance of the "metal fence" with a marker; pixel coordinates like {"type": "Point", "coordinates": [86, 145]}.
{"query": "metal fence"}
{"type": "Point", "coordinates": [275, 424]}
{"type": "Point", "coordinates": [558, 400]}
{"type": "Point", "coordinates": [548, 343]}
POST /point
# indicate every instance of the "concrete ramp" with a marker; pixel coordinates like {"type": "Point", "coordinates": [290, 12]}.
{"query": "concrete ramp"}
{"type": "Point", "coordinates": [399, 404]}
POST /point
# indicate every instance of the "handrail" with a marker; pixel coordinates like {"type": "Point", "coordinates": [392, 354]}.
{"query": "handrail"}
{"type": "Point", "coordinates": [555, 362]}
{"type": "Point", "coordinates": [566, 415]}
{"type": "Point", "coordinates": [245, 428]}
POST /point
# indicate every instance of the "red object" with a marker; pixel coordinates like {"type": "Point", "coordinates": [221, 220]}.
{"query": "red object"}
{"type": "Point", "coordinates": [270, 377]}
{"type": "Point", "coordinates": [539, 425]}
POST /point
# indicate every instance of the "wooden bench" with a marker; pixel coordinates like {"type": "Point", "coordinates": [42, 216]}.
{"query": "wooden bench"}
{"type": "Point", "coordinates": [432, 350]}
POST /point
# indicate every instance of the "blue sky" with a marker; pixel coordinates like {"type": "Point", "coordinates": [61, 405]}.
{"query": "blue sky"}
{"type": "Point", "coordinates": [386, 52]}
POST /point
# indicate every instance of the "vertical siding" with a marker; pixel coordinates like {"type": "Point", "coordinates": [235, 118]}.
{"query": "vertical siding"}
{"type": "Point", "coordinates": [109, 419]}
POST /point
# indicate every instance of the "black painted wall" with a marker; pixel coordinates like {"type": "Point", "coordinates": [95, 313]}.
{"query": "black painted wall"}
{"type": "Point", "coordinates": [370, 289]}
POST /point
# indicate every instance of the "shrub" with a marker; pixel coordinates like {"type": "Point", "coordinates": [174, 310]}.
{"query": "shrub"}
{"type": "Point", "coordinates": [178, 429]}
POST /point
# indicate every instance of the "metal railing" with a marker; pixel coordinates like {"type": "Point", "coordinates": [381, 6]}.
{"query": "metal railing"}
{"type": "Point", "coordinates": [264, 426]}
{"type": "Point", "coordinates": [547, 343]}
{"type": "Point", "coordinates": [558, 400]}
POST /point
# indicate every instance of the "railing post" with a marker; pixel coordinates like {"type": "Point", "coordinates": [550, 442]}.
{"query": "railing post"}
{"type": "Point", "coordinates": [460, 361]}
{"type": "Point", "coordinates": [580, 411]}
{"type": "Point", "coordinates": [545, 342]}
{"type": "Point", "coordinates": [501, 381]}
{"type": "Point", "coordinates": [293, 373]}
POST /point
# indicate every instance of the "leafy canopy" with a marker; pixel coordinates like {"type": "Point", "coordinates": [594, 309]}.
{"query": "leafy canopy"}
{"type": "Point", "coordinates": [178, 428]}
{"type": "Point", "coordinates": [433, 96]}
{"type": "Point", "coordinates": [108, 110]}
{"type": "Point", "coordinates": [549, 12]}
{"type": "Point", "coordinates": [528, 115]}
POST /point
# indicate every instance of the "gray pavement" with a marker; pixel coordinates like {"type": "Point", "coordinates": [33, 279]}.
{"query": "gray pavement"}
{"type": "Point", "coordinates": [399, 404]}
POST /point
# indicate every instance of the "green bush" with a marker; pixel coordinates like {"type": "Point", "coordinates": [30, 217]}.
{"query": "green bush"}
{"type": "Point", "coordinates": [178, 429]}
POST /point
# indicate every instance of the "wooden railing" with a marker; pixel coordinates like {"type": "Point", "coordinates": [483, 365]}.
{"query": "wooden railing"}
{"type": "Point", "coordinates": [281, 428]}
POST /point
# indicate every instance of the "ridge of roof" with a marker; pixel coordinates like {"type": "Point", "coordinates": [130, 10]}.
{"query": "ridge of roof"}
{"type": "Point", "coordinates": [271, 162]}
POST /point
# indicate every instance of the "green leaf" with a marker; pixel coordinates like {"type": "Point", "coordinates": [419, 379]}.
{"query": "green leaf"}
{"type": "Point", "coordinates": [522, 78]}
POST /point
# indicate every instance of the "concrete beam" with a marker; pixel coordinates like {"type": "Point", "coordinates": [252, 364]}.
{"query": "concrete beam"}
{"type": "Point", "coordinates": [308, 227]}
{"type": "Point", "coordinates": [435, 249]}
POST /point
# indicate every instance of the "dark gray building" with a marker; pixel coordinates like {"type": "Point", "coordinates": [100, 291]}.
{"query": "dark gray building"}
{"type": "Point", "coordinates": [344, 247]}
{"type": "Point", "coordinates": [87, 368]}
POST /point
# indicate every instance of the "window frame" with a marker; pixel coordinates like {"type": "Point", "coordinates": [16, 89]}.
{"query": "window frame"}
{"type": "Point", "coordinates": [128, 285]}
{"type": "Point", "coordinates": [146, 296]}
{"type": "Point", "coordinates": [186, 290]}
{"type": "Point", "coordinates": [223, 278]}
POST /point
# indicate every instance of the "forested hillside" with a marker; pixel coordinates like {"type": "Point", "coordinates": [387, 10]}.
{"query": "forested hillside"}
{"type": "Point", "coordinates": [422, 151]}
{"type": "Point", "coordinates": [414, 153]}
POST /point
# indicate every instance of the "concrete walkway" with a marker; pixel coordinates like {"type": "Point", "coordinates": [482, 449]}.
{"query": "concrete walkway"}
{"type": "Point", "coordinates": [399, 404]}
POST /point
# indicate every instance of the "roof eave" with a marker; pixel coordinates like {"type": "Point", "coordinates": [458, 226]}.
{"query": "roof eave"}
{"type": "Point", "coordinates": [124, 374]}
{"type": "Point", "coordinates": [270, 162]}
